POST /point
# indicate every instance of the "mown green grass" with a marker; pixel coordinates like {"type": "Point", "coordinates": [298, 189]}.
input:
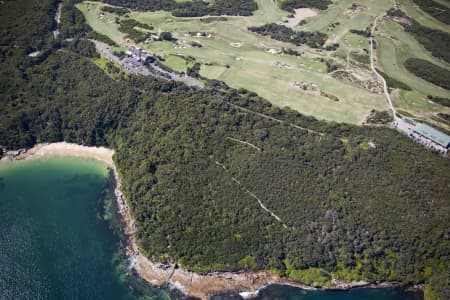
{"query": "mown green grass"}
{"type": "Point", "coordinates": [176, 63]}
{"type": "Point", "coordinates": [91, 12]}
{"type": "Point", "coordinates": [344, 20]}
{"type": "Point", "coordinates": [422, 17]}
{"type": "Point", "coordinates": [360, 58]}
{"type": "Point", "coordinates": [417, 105]}
{"type": "Point", "coordinates": [250, 66]}
{"type": "Point", "coordinates": [339, 13]}
{"type": "Point", "coordinates": [416, 102]}
{"type": "Point", "coordinates": [443, 2]}
{"type": "Point", "coordinates": [354, 41]}
{"type": "Point", "coordinates": [257, 67]}
{"type": "Point", "coordinates": [327, 17]}
{"type": "Point", "coordinates": [393, 49]}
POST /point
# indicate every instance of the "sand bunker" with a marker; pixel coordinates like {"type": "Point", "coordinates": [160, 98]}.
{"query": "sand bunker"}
{"type": "Point", "coordinates": [274, 51]}
{"type": "Point", "coordinates": [300, 15]}
{"type": "Point", "coordinates": [236, 45]}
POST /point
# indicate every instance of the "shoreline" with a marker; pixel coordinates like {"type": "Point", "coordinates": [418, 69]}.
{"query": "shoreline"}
{"type": "Point", "coordinates": [245, 283]}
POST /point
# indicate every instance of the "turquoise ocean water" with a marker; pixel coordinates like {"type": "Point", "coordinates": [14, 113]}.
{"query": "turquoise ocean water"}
{"type": "Point", "coordinates": [55, 243]}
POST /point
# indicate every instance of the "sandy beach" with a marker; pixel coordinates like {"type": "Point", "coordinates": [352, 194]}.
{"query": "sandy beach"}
{"type": "Point", "coordinates": [67, 149]}
{"type": "Point", "coordinates": [189, 283]}
{"type": "Point", "coordinates": [247, 283]}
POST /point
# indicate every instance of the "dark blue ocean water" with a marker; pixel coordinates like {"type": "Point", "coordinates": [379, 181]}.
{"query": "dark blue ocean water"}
{"type": "Point", "coordinates": [54, 243]}
{"type": "Point", "coordinates": [278, 292]}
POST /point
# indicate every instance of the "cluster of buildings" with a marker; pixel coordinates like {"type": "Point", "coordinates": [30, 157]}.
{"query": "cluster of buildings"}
{"type": "Point", "coordinates": [424, 134]}
{"type": "Point", "coordinates": [139, 54]}
{"type": "Point", "coordinates": [138, 61]}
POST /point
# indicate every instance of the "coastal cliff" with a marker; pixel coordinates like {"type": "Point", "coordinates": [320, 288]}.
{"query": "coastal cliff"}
{"type": "Point", "coordinates": [200, 285]}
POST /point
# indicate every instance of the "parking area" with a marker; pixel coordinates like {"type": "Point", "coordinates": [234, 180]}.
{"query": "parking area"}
{"type": "Point", "coordinates": [136, 67]}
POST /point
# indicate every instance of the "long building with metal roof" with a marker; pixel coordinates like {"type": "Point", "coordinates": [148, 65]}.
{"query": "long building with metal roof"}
{"type": "Point", "coordinates": [424, 134]}
{"type": "Point", "coordinates": [433, 134]}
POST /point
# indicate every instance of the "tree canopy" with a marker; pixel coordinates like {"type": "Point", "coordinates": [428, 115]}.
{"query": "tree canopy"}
{"type": "Point", "coordinates": [357, 202]}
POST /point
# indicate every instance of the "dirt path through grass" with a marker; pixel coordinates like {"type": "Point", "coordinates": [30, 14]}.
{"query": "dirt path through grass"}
{"type": "Point", "coordinates": [372, 65]}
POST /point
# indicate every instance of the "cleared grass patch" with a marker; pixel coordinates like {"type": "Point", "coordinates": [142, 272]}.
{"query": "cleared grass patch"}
{"type": "Point", "coordinates": [176, 63]}
{"type": "Point", "coordinates": [106, 25]}
{"type": "Point", "coordinates": [243, 59]}
{"type": "Point", "coordinates": [393, 49]}
{"type": "Point", "coordinates": [422, 17]}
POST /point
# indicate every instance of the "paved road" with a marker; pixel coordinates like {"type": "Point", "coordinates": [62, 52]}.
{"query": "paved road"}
{"type": "Point", "coordinates": [372, 65]}
{"type": "Point", "coordinates": [103, 48]}
{"type": "Point", "coordinates": [137, 68]}
{"type": "Point", "coordinates": [188, 80]}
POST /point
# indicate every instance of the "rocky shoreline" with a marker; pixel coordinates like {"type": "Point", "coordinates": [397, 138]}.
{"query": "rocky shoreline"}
{"type": "Point", "coordinates": [246, 283]}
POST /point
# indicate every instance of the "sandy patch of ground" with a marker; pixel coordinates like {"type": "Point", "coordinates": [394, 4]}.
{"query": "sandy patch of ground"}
{"type": "Point", "coordinates": [274, 51]}
{"type": "Point", "coordinates": [34, 54]}
{"type": "Point", "coordinates": [67, 149]}
{"type": "Point", "coordinates": [236, 45]}
{"type": "Point", "coordinates": [300, 15]}
{"type": "Point", "coordinates": [401, 20]}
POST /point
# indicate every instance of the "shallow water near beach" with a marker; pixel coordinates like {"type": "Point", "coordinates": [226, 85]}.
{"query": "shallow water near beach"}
{"type": "Point", "coordinates": [55, 243]}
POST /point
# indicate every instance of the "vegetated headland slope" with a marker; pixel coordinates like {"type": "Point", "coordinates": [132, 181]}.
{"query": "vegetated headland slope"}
{"type": "Point", "coordinates": [353, 202]}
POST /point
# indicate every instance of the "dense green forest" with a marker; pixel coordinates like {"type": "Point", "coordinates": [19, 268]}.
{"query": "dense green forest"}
{"type": "Point", "coordinates": [290, 5]}
{"type": "Point", "coordinates": [192, 8]}
{"type": "Point", "coordinates": [439, 11]}
{"type": "Point", "coordinates": [286, 34]}
{"type": "Point", "coordinates": [72, 20]}
{"type": "Point", "coordinates": [13, 28]}
{"type": "Point", "coordinates": [359, 202]}
{"type": "Point", "coordinates": [429, 71]}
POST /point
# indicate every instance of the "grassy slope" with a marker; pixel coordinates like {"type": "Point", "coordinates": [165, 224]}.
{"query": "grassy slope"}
{"type": "Point", "coordinates": [106, 27]}
{"type": "Point", "coordinates": [394, 47]}
{"type": "Point", "coordinates": [257, 66]}
{"type": "Point", "coordinates": [339, 13]}
{"type": "Point", "coordinates": [422, 17]}
{"type": "Point", "coordinates": [393, 53]}
{"type": "Point", "coordinates": [253, 68]}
